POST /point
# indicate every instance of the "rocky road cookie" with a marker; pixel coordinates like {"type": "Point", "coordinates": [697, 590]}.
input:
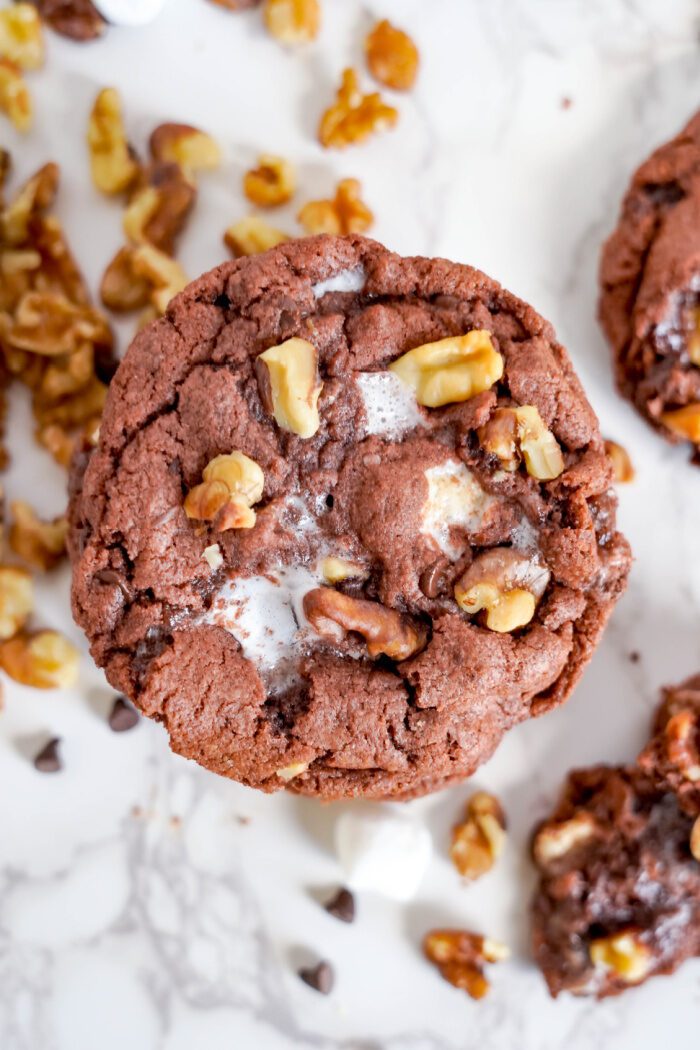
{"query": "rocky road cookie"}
{"type": "Point", "coordinates": [650, 289]}
{"type": "Point", "coordinates": [349, 519]}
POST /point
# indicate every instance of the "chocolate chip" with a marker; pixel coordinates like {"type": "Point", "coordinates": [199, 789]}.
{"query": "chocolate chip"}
{"type": "Point", "coordinates": [48, 759]}
{"type": "Point", "coordinates": [223, 302]}
{"type": "Point", "coordinates": [635, 657]}
{"type": "Point", "coordinates": [664, 192]}
{"type": "Point", "coordinates": [112, 578]}
{"type": "Point", "coordinates": [342, 906]}
{"type": "Point", "coordinates": [430, 581]}
{"type": "Point", "coordinates": [122, 716]}
{"type": "Point", "coordinates": [321, 977]}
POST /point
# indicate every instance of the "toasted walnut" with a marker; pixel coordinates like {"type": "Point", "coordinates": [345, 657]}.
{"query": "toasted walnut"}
{"type": "Point", "coordinates": [392, 56]}
{"type": "Point", "coordinates": [504, 583]}
{"type": "Point", "coordinates": [193, 150]}
{"type": "Point", "coordinates": [159, 206]}
{"type": "Point", "coordinates": [335, 570]}
{"type": "Point", "coordinates": [554, 841]}
{"type": "Point", "coordinates": [58, 442]}
{"type": "Point", "coordinates": [622, 464]}
{"type": "Point", "coordinates": [513, 434]}
{"type": "Point", "coordinates": [251, 236]}
{"type": "Point", "coordinates": [460, 957]}
{"type": "Point", "coordinates": [230, 485]}
{"type": "Point", "coordinates": [21, 36]}
{"type": "Point", "coordinates": [165, 275]}
{"type": "Point", "coordinates": [15, 99]}
{"type": "Point", "coordinates": [387, 632]}
{"type": "Point", "coordinates": [213, 556]}
{"type": "Point", "coordinates": [450, 370]}
{"type": "Point", "coordinates": [346, 213]}
{"type": "Point", "coordinates": [77, 19]}
{"type": "Point", "coordinates": [122, 289]}
{"type": "Point", "coordinates": [624, 954]}
{"type": "Point", "coordinates": [34, 197]}
{"type": "Point", "coordinates": [272, 183]}
{"type": "Point", "coordinates": [41, 543]}
{"type": "Point", "coordinates": [685, 422]}
{"type": "Point", "coordinates": [48, 324]}
{"type": "Point", "coordinates": [112, 163]}
{"type": "Point", "coordinates": [289, 385]}
{"type": "Point", "coordinates": [293, 21]}
{"type": "Point", "coordinates": [292, 771]}
{"type": "Point", "coordinates": [353, 117]}
{"type": "Point", "coordinates": [478, 841]}
{"type": "Point", "coordinates": [16, 600]}
{"type": "Point", "coordinates": [45, 660]}
{"type": "Point", "coordinates": [681, 734]}
{"type": "Point", "coordinates": [695, 839]}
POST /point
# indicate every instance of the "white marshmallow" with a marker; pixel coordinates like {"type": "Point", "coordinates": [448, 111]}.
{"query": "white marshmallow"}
{"type": "Point", "coordinates": [129, 12]}
{"type": "Point", "coordinates": [344, 281]}
{"type": "Point", "coordinates": [390, 405]}
{"type": "Point", "coordinates": [455, 497]}
{"type": "Point", "coordinates": [382, 852]}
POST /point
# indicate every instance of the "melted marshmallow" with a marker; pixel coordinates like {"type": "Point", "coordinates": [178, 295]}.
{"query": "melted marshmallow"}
{"type": "Point", "coordinates": [129, 12]}
{"type": "Point", "coordinates": [344, 281]}
{"type": "Point", "coordinates": [455, 497]}
{"type": "Point", "coordinates": [390, 405]}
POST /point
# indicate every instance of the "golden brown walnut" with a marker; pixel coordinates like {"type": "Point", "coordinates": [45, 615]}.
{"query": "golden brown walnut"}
{"type": "Point", "coordinates": [386, 632]}
{"type": "Point", "coordinates": [77, 19]}
{"type": "Point", "coordinates": [165, 275]}
{"type": "Point", "coordinates": [16, 600]}
{"type": "Point", "coordinates": [681, 747]}
{"type": "Point", "coordinates": [346, 213]}
{"type": "Point", "coordinates": [15, 100]}
{"type": "Point", "coordinates": [478, 841]}
{"type": "Point", "coordinates": [289, 385]}
{"type": "Point", "coordinates": [450, 370]}
{"type": "Point", "coordinates": [684, 422]}
{"type": "Point", "coordinates": [272, 183]}
{"type": "Point", "coordinates": [623, 471]}
{"type": "Point", "coordinates": [335, 570]}
{"type": "Point", "coordinates": [45, 660]}
{"type": "Point", "coordinates": [292, 21]}
{"type": "Point", "coordinates": [506, 584]}
{"type": "Point", "coordinates": [554, 841]}
{"type": "Point", "coordinates": [354, 117]}
{"type": "Point", "coordinates": [40, 543]}
{"type": "Point", "coordinates": [231, 484]}
{"type": "Point", "coordinates": [460, 956]}
{"type": "Point", "coordinates": [624, 954]}
{"type": "Point", "coordinates": [251, 236]}
{"type": "Point", "coordinates": [112, 163]}
{"type": "Point", "coordinates": [191, 149]}
{"type": "Point", "coordinates": [392, 57]}
{"type": "Point", "coordinates": [34, 197]}
{"type": "Point", "coordinates": [695, 839]}
{"type": "Point", "coordinates": [122, 289]}
{"type": "Point", "coordinates": [47, 323]}
{"type": "Point", "coordinates": [21, 36]}
{"type": "Point", "coordinates": [517, 434]}
{"type": "Point", "coordinates": [159, 206]}
{"type": "Point", "coordinates": [290, 772]}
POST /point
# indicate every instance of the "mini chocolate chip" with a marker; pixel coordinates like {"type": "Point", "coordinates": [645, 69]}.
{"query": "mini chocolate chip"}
{"type": "Point", "coordinates": [122, 716]}
{"type": "Point", "coordinates": [635, 657]}
{"type": "Point", "coordinates": [223, 302]}
{"type": "Point", "coordinates": [110, 577]}
{"type": "Point", "coordinates": [330, 501]}
{"type": "Point", "coordinates": [431, 580]}
{"type": "Point", "coordinates": [48, 760]}
{"type": "Point", "coordinates": [342, 906]}
{"type": "Point", "coordinates": [321, 977]}
{"type": "Point", "coordinates": [106, 364]}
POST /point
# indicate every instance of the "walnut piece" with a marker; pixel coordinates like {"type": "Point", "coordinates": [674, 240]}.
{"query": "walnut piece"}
{"type": "Point", "coordinates": [47, 323]}
{"type": "Point", "coordinates": [77, 19]}
{"type": "Point", "coordinates": [15, 100]}
{"type": "Point", "coordinates": [21, 36]}
{"type": "Point", "coordinates": [272, 183]}
{"type": "Point", "coordinates": [450, 370]}
{"type": "Point", "coordinates": [624, 954]}
{"type": "Point", "coordinates": [37, 194]}
{"type": "Point", "coordinates": [504, 583]}
{"type": "Point", "coordinates": [45, 660]}
{"type": "Point", "coordinates": [335, 570]}
{"type": "Point", "coordinates": [695, 839]}
{"type": "Point", "coordinates": [685, 422]}
{"type": "Point", "coordinates": [478, 841]}
{"type": "Point", "coordinates": [165, 275]}
{"type": "Point", "coordinates": [694, 337]}
{"type": "Point", "coordinates": [191, 149]}
{"type": "Point", "coordinates": [112, 163]}
{"type": "Point", "coordinates": [252, 235]}
{"type": "Point", "coordinates": [460, 956]}
{"type": "Point", "coordinates": [353, 117]}
{"type": "Point", "coordinates": [623, 471]}
{"type": "Point", "coordinates": [158, 206]}
{"type": "Point", "coordinates": [346, 213]}
{"type": "Point", "coordinates": [40, 543]}
{"type": "Point", "coordinates": [295, 769]}
{"type": "Point", "coordinates": [556, 840]}
{"type": "Point", "coordinates": [16, 600]}
{"type": "Point", "coordinates": [386, 632]}
{"type": "Point", "coordinates": [289, 385]}
{"type": "Point", "coordinates": [392, 57]}
{"type": "Point", "coordinates": [516, 434]}
{"type": "Point", "coordinates": [122, 289]}
{"type": "Point", "coordinates": [293, 21]}
{"type": "Point", "coordinates": [230, 485]}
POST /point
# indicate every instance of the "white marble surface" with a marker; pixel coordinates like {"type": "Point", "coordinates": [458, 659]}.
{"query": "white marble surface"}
{"type": "Point", "coordinates": [136, 909]}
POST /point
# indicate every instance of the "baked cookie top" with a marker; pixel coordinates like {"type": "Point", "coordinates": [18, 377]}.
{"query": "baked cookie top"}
{"type": "Point", "coordinates": [349, 519]}
{"type": "Point", "coordinates": [650, 289]}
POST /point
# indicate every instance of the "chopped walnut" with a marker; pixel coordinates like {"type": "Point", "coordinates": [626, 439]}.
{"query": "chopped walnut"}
{"type": "Point", "coordinates": [478, 841]}
{"type": "Point", "coordinates": [122, 289]}
{"type": "Point", "coordinates": [460, 957]}
{"type": "Point", "coordinates": [41, 543]}
{"type": "Point", "coordinates": [21, 36]}
{"type": "Point", "coordinates": [353, 117]}
{"type": "Point", "coordinates": [15, 100]}
{"type": "Point", "coordinates": [622, 464]}
{"type": "Point", "coordinates": [159, 206]}
{"type": "Point", "coordinates": [191, 149]}
{"type": "Point", "coordinates": [46, 323]}
{"type": "Point", "coordinates": [289, 385]}
{"type": "Point", "coordinates": [695, 839]}
{"type": "Point", "coordinates": [554, 841]}
{"type": "Point", "coordinates": [77, 19]}
{"type": "Point", "coordinates": [387, 633]}
{"type": "Point", "coordinates": [295, 769]}
{"type": "Point", "coordinates": [165, 275]}
{"type": "Point", "coordinates": [335, 570]}
{"type": "Point", "coordinates": [684, 422]}
{"type": "Point", "coordinates": [519, 433]}
{"type": "Point", "coordinates": [450, 370]}
{"type": "Point", "coordinates": [392, 56]}
{"type": "Point", "coordinates": [230, 486]}
{"type": "Point", "coordinates": [251, 236]}
{"type": "Point", "coordinates": [624, 954]}
{"type": "Point", "coordinates": [293, 21]}
{"type": "Point", "coordinates": [506, 585]}
{"type": "Point", "coordinates": [45, 660]}
{"type": "Point", "coordinates": [213, 556]}
{"type": "Point", "coordinates": [112, 162]}
{"type": "Point", "coordinates": [16, 600]}
{"type": "Point", "coordinates": [346, 213]}
{"type": "Point", "coordinates": [272, 183]}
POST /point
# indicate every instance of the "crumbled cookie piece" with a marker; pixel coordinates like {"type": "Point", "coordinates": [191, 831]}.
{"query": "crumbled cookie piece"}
{"type": "Point", "coordinates": [345, 213]}
{"type": "Point", "coordinates": [21, 36]}
{"type": "Point", "coordinates": [40, 543]}
{"type": "Point", "coordinates": [672, 756]}
{"type": "Point", "coordinates": [623, 470]}
{"type": "Point", "coordinates": [15, 100]}
{"type": "Point", "coordinates": [478, 840]}
{"type": "Point", "coordinates": [461, 955]}
{"type": "Point", "coordinates": [292, 22]}
{"type": "Point", "coordinates": [251, 236]}
{"type": "Point", "coordinates": [272, 183]}
{"type": "Point", "coordinates": [392, 57]}
{"type": "Point", "coordinates": [354, 117]}
{"type": "Point", "coordinates": [45, 660]}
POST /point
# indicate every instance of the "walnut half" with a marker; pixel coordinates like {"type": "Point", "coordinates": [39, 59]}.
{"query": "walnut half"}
{"type": "Point", "coordinates": [506, 585]}
{"type": "Point", "coordinates": [230, 485]}
{"type": "Point", "coordinates": [515, 434]}
{"type": "Point", "coordinates": [478, 841]}
{"type": "Point", "coordinates": [387, 633]}
{"type": "Point", "coordinates": [289, 385]}
{"type": "Point", "coordinates": [450, 370]}
{"type": "Point", "coordinates": [460, 956]}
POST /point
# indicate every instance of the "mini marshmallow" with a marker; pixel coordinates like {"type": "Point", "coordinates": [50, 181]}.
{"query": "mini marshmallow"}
{"type": "Point", "coordinates": [129, 12]}
{"type": "Point", "coordinates": [383, 852]}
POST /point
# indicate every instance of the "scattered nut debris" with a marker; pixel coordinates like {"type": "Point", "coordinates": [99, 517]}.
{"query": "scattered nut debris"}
{"type": "Point", "coordinates": [354, 117]}
{"type": "Point", "coordinates": [252, 235]}
{"type": "Point", "coordinates": [77, 19]}
{"type": "Point", "coordinates": [289, 385]}
{"type": "Point", "coordinates": [16, 600]}
{"type": "Point", "coordinates": [478, 841]}
{"type": "Point", "coordinates": [231, 485]}
{"type": "Point", "coordinates": [460, 957]}
{"type": "Point", "coordinates": [346, 213]}
{"type": "Point", "coordinates": [40, 543]}
{"type": "Point", "coordinates": [21, 36]}
{"type": "Point", "coordinates": [15, 100]}
{"type": "Point", "coordinates": [123, 716]}
{"type": "Point", "coordinates": [341, 905]}
{"type": "Point", "coordinates": [392, 57]}
{"type": "Point", "coordinates": [320, 977]}
{"type": "Point", "coordinates": [292, 22]}
{"type": "Point", "coordinates": [113, 162]}
{"type": "Point", "coordinates": [191, 149]}
{"type": "Point", "coordinates": [622, 464]}
{"type": "Point", "coordinates": [48, 760]}
{"type": "Point", "coordinates": [272, 183]}
{"type": "Point", "coordinates": [387, 632]}
{"type": "Point", "coordinates": [450, 370]}
{"type": "Point", "coordinates": [45, 660]}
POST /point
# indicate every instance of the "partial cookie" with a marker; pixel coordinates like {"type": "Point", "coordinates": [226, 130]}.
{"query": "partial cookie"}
{"type": "Point", "coordinates": [619, 893]}
{"type": "Point", "coordinates": [349, 520]}
{"type": "Point", "coordinates": [650, 289]}
{"type": "Point", "coordinates": [672, 756]}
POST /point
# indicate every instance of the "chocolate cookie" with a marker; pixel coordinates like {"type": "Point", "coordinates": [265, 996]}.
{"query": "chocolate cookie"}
{"type": "Point", "coordinates": [349, 519]}
{"type": "Point", "coordinates": [672, 756]}
{"type": "Point", "coordinates": [619, 893]}
{"type": "Point", "coordinates": [650, 289]}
